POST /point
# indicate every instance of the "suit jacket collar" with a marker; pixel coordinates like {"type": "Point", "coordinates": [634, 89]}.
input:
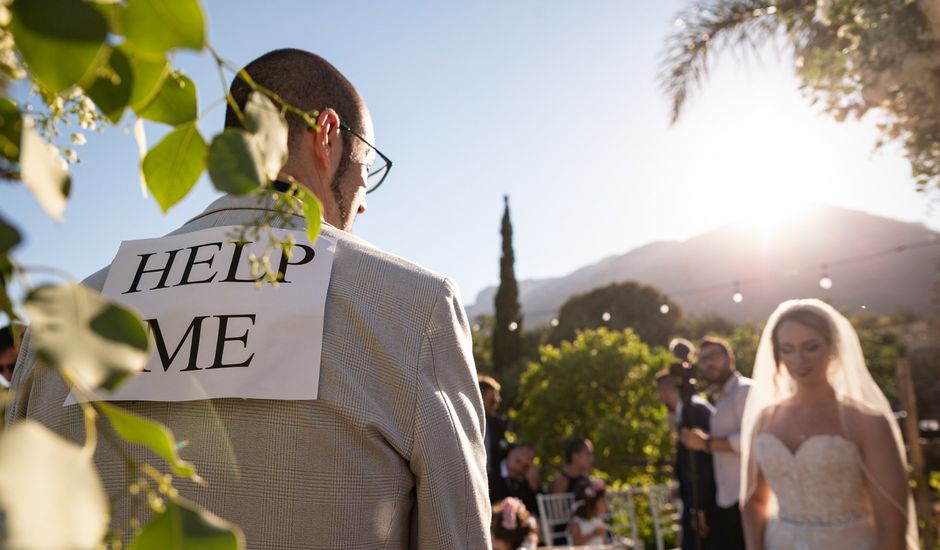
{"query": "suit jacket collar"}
{"type": "Point", "coordinates": [263, 202]}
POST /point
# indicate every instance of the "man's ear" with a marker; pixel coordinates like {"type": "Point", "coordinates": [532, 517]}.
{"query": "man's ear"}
{"type": "Point", "coordinates": [327, 139]}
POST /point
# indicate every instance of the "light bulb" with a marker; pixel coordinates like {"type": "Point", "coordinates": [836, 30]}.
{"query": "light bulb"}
{"type": "Point", "coordinates": [664, 309]}
{"type": "Point", "coordinates": [737, 297]}
{"type": "Point", "coordinates": [554, 322]}
{"type": "Point", "coordinates": [513, 326]}
{"type": "Point", "coordinates": [825, 282]}
{"type": "Point", "coordinates": [606, 316]}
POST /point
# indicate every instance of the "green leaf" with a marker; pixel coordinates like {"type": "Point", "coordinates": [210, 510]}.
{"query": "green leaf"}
{"type": "Point", "coordinates": [118, 324]}
{"type": "Point", "coordinates": [186, 526]}
{"type": "Point", "coordinates": [311, 206]}
{"type": "Point", "coordinates": [6, 305]}
{"type": "Point", "coordinates": [9, 236]}
{"type": "Point", "coordinates": [233, 165]}
{"type": "Point", "coordinates": [149, 76]}
{"type": "Point", "coordinates": [43, 172]}
{"type": "Point", "coordinates": [62, 41]}
{"type": "Point", "coordinates": [153, 435]}
{"type": "Point", "coordinates": [111, 91]}
{"type": "Point", "coordinates": [76, 329]}
{"type": "Point", "coordinates": [11, 130]}
{"type": "Point", "coordinates": [172, 167]}
{"type": "Point", "coordinates": [156, 26]}
{"type": "Point", "coordinates": [174, 104]}
{"type": "Point", "coordinates": [269, 133]}
{"type": "Point", "coordinates": [50, 493]}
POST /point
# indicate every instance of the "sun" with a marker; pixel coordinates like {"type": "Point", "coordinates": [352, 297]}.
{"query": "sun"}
{"type": "Point", "coordinates": [768, 216]}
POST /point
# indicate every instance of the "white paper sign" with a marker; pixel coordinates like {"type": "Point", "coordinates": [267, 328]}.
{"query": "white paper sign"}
{"type": "Point", "coordinates": [214, 333]}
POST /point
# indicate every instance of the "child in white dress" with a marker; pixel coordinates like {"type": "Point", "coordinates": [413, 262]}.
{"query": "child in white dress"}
{"type": "Point", "coordinates": [587, 525]}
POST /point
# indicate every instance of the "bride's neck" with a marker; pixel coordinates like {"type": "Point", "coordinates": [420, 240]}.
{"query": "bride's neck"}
{"type": "Point", "coordinates": [812, 394]}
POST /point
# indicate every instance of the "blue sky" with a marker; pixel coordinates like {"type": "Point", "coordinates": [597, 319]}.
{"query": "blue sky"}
{"type": "Point", "coordinates": [552, 102]}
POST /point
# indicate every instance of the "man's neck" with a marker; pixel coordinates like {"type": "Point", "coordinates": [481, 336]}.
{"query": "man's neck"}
{"type": "Point", "coordinates": [724, 381]}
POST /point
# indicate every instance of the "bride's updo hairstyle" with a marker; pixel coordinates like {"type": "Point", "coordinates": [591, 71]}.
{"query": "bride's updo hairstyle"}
{"type": "Point", "coordinates": [806, 317]}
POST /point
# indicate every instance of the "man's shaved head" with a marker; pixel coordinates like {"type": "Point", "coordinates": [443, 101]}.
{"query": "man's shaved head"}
{"type": "Point", "coordinates": [337, 175]}
{"type": "Point", "coordinates": [303, 80]}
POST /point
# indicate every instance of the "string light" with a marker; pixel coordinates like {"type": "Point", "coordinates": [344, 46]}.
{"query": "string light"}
{"type": "Point", "coordinates": [606, 316]}
{"type": "Point", "coordinates": [825, 282]}
{"type": "Point", "coordinates": [737, 297]}
{"type": "Point", "coordinates": [513, 326]}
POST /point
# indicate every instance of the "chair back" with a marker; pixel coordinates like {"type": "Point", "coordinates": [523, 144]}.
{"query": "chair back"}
{"type": "Point", "coordinates": [554, 514]}
{"type": "Point", "coordinates": [621, 515]}
{"type": "Point", "coordinates": [667, 514]}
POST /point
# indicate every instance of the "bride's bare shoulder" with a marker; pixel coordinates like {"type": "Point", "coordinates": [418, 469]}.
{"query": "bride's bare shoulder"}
{"type": "Point", "coordinates": [860, 411]}
{"type": "Point", "coordinates": [863, 419]}
{"type": "Point", "coordinates": [763, 420]}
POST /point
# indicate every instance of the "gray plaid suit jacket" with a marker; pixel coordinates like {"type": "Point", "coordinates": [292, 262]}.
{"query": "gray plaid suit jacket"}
{"type": "Point", "coordinates": [390, 455]}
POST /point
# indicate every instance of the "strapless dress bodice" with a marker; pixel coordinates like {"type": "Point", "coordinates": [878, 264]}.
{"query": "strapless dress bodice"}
{"type": "Point", "coordinates": [821, 491]}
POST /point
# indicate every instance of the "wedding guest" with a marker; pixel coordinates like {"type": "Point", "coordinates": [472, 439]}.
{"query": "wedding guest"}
{"type": "Point", "coordinates": [515, 477]}
{"type": "Point", "coordinates": [494, 437]}
{"type": "Point", "coordinates": [579, 463]}
{"type": "Point", "coordinates": [716, 361]}
{"type": "Point", "coordinates": [8, 353]}
{"type": "Point", "coordinates": [693, 469]}
{"type": "Point", "coordinates": [389, 454]}
{"type": "Point", "coordinates": [513, 526]}
{"type": "Point", "coordinates": [587, 526]}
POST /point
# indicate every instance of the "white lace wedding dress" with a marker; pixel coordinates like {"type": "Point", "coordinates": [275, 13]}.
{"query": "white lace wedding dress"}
{"type": "Point", "coordinates": [821, 491]}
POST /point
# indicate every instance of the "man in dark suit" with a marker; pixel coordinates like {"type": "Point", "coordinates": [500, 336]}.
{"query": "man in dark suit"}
{"type": "Point", "coordinates": [693, 469]}
{"type": "Point", "coordinates": [515, 477]}
{"type": "Point", "coordinates": [494, 438]}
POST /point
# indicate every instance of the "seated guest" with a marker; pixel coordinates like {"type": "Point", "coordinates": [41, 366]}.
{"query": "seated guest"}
{"type": "Point", "coordinates": [587, 525]}
{"type": "Point", "coordinates": [8, 353]}
{"type": "Point", "coordinates": [517, 477]}
{"type": "Point", "coordinates": [579, 463]}
{"type": "Point", "coordinates": [513, 526]}
{"type": "Point", "coordinates": [494, 438]}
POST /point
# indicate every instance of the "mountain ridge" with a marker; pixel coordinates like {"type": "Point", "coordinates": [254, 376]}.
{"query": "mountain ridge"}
{"type": "Point", "coordinates": [769, 266]}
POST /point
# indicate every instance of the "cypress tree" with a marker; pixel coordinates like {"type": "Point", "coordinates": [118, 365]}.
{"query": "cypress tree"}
{"type": "Point", "coordinates": [507, 334]}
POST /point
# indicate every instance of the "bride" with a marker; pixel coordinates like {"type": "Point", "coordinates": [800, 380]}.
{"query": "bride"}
{"type": "Point", "coordinates": [823, 462]}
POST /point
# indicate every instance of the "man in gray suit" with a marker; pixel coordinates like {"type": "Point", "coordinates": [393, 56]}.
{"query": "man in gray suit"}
{"type": "Point", "coordinates": [390, 454]}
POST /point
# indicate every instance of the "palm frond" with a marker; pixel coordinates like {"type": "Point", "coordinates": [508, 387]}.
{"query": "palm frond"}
{"type": "Point", "coordinates": [715, 24]}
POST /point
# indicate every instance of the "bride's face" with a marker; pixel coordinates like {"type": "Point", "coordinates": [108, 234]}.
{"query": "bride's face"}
{"type": "Point", "coordinates": [804, 351]}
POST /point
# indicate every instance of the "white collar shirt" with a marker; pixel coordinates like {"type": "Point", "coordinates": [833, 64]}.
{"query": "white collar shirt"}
{"type": "Point", "coordinates": [726, 423]}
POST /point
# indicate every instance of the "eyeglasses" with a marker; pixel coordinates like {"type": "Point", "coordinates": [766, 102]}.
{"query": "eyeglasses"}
{"type": "Point", "coordinates": [379, 170]}
{"type": "Point", "coordinates": [717, 354]}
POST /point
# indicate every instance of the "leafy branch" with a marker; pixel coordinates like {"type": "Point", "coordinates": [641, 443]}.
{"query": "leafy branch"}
{"type": "Point", "coordinates": [88, 63]}
{"type": "Point", "coordinates": [851, 56]}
